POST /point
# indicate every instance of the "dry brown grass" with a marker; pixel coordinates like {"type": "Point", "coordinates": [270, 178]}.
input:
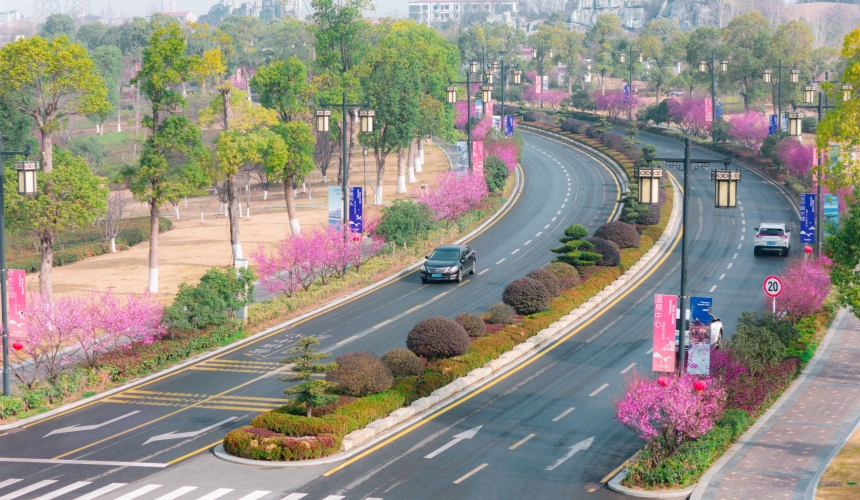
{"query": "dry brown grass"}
{"type": "Point", "coordinates": [844, 469]}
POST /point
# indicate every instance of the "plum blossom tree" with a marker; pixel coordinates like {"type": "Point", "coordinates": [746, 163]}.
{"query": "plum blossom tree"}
{"type": "Point", "coordinates": [749, 129]}
{"type": "Point", "coordinates": [805, 285]}
{"type": "Point", "coordinates": [690, 115]}
{"type": "Point", "coordinates": [796, 157]}
{"type": "Point", "coordinates": [506, 149]}
{"type": "Point", "coordinates": [615, 103]}
{"type": "Point", "coordinates": [451, 196]}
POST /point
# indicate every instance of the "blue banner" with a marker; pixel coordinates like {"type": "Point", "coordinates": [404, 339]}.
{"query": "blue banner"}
{"type": "Point", "coordinates": [771, 125]}
{"type": "Point", "coordinates": [509, 126]}
{"type": "Point", "coordinates": [831, 213]}
{"type": "Point", "coordinates": [626, 92]}
{"type": "Point", "coordinates": [719, 109]}
{"type": "Point", "coordinates": [807, 218]}
{"type": "Point", "coordinates": [355, 209]}
{"type": "Point", "coordinates": [699, 357]}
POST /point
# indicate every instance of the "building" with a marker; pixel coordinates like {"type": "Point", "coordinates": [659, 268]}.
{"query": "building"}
{"type": "Point", "coordinates": [182, 17]}
{"type": "Point", "coordinates": [169, 6]}
{"type": "Point", "coordinates": [434, 12]}
{"type": "Point", "coordinates": [11, 18]}
{"type": "Point", "coordinates": [264, 9]}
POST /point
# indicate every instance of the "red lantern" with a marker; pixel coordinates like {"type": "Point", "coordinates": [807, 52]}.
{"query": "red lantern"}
{"type": "Point", "coordinates": [807, 250]}
{"type": "Point", "coordinates": [17, 346]}
{"type": "Point", "coordinates": [663, 381]}
{"type": "Point", "coordinates": [699, 385]}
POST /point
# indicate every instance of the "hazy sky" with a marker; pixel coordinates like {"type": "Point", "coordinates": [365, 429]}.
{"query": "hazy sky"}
{"type": "Point", "coordinates": [130, 8]}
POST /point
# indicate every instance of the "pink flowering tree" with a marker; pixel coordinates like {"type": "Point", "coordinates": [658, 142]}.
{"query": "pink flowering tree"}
{"type": "Point", "coordinates": [460, 113]}
{"type": "Point", "coordinates": [553, 98]}
{"type": "Point", "coordinates": [451, 196]}
{"type": "Point", "coordinates": [505, 149]}
{"type": "Point", "coordinates": [666, 417]}
{"type": "Point", "coordinates": [690, 115]}
{"type": "Point", "coordinates": [796, 157]}
{"type": "Point", "coordinates": [615, 103]}
{"type": "Point", "coordinates": [805, 285]}
{"type": "Point", "coordinates": [482, 128]}
{"type": "Point", "coordinates": [749, 129]}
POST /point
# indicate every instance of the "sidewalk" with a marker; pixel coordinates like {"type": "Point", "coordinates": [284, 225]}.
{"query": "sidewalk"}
{"type": "Point", "coordinates": [785, 453]}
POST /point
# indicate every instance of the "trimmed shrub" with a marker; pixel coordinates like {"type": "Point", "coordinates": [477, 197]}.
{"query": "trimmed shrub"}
{"type": "Point", "coordinates": [610, 255]}
{"type": "Point", "coordinates": [263, 444]}
{"type": "Point", "coordinates": [405, 221]}
{"type": "Point", "coordinates": [574, 126]}
{"type": "Point", "coordinates": [500, 314]}
{"type": "Point", "coordinates": [359, 374]}
{"type": "Point", "coordinates": [567, 275]}
{"type": "Point", "coordinates": [809, 125]}
{"type": "Point", "coordinates": [402, 362]}
{"type": "Point", "coordinates": [622, 234]}
{"type": "Point", "coordinates": [526, 296]}
{"type": "Point", "coordinates": [495, 173]}
{"type": "Point", "coordinates": [437, 337]}
{"type": "Point", "coordinates": [612, 140]}
{"type": "Point", "coordinates": [535, 116]}
{"type": "Point", "coordinates": [547, 279]}
{"type": "Point", "coordinates": [576, 251]}
{"type": "Point", "coordinates": [212, 302]}
{"type": "Point", "coordinates": [472, 323]}
{"type": "Point", "coordinates": [651, 216]}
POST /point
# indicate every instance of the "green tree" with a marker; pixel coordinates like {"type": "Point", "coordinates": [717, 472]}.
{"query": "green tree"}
{"type": "Point", "coordinates": [58, 25]}
{"type": "Point", "coordinates": [93, 35]}
{"type": "Point", "coordinates": [289, 156]}
{"type": "Point", "coordinates": [600, 39]}
{"type": "Point", "coordinates": [76, 197]}
{"type": "Point", "coordinates": [791, 43]}
{"type": "Point", "coordinates": [660, 43]}
{"type": "Point", "coordinates": [172, 165]}
{"type": "Point", "coordinates": [699, 44]}
{"type": "Point", "coordinates": [306, 364]}
{"type": "Point", "coordinates": [212, 302]}
{"type": "Point", "coordinates": [15, 127]}
{"type": "Point", "coordinates": [108, 61]}
{"type": "Point", "coordinates": [747, 37]}
{"type": "Point", "coordinates": [843, 247]}
{"type": "Point", "coordinates": [340, 32]}
{"type": "Point", "coordinates": [283, 87]}
{"type": "Point", "coordinates": [576, 251]}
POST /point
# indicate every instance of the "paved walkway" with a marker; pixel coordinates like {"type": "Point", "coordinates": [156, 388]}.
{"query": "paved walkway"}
{"type": "Point", "coordinates": [785, 453]}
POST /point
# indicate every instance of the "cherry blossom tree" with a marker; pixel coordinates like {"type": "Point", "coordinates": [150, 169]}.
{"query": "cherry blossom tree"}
{"type": "Point", "coordinates": [805, 285]}
{"type": "Point", "coordinates": [749, 129]}
{"type": "Point", "coordinates": [451, 196]}
{"type": "Point", "coordinates": [615, 104]}
{"type": "Point", "coordinates": [796, 157]}
{"type": "Point", "coordinates": [506, 149]}
{"type": "Point", "coordinates": [690, 115]}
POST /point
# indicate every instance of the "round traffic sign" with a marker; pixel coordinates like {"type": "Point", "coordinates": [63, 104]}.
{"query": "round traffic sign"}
{"type": "Point", "coordinates": [772, 286]}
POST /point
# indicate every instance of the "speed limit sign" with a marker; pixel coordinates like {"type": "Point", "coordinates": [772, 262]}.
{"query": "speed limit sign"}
{"type": "Point", "coordinates": [772, 286]}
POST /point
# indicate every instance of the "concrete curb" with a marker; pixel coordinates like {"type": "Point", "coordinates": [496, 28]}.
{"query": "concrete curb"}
{"type": "Point", "coordinates": [403, 418]}
{"type": "Point", "coordinates": [615, 485]}
{"type": "Point", "coordinates": [209, 354]}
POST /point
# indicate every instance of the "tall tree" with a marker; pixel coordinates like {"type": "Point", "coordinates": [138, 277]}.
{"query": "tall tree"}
{"type": "Point", "coordinates": [340, 31]}
{"type": "Point", "coordinates": [600, 38]}
{"type": "Point", "coordinates": [660, 44]}
{"type": "Point", "coordinates": [283, 86]}
{"type": "Point", "coordinates": [289, 156]}
{"type": "Point", "coordinates": [93, 35]}
{"type": "Point", "coordinates": [108, 61]}
{"type": "Point", "coordinates": [212, 65]}
{"type": "Point", "coordinates": [791, 43]}
{"type": "Point", "coordinates": [58, 25]}
{"type": "Point", "coordinates": [748, 39]}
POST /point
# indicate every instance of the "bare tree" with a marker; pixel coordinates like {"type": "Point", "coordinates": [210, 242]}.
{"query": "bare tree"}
{"type": "Point", "coordinates": [324, 150]}
{"type": "Point", "coordinates": [109, 222]}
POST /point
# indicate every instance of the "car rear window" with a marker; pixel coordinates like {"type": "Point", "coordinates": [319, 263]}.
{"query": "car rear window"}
{"type": "Point", "coordinates": [450, 254]}
{"type": "Point", "coordinates": [770, 232]}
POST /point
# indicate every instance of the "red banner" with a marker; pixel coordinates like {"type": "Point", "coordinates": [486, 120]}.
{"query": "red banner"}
{"type": "Point", "coordinates": [16, 291]}
{"type": "Point", "coordinates": [665, 307]}
{"type": "Point", "coordinates": [478, 158]}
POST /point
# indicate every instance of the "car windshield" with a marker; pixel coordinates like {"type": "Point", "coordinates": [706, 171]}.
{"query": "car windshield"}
{"type": "Point", "coordinates": [445, 254]}
{"type": "Point", "coordinates": [770, 232]}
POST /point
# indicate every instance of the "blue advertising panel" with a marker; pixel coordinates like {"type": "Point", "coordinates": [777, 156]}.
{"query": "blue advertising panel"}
{"type": "Point", "coordinates": [355, 209]}
{"type": "Point", "coordinates": [335, 207]}
{"type": "Point", "coordinates": [771, 125]}
{"type": "Point", "coordinates": [807, 218]}
{"type": "Point", "coordinates": [831, 213]}
{"type": "Point", "coordinates": [509, 126]}
{"type": "Point", "coordinates": [699, 357]}
{"type": "Point", "coordinates": [719, 109]}
{"type": "Point", "coordinates": [626, 92]}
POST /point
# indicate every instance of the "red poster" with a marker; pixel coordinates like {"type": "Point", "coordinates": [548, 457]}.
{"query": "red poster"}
{"type": "Point", "coordinates": [664, 333]}
{"type": "Point", "coordinates": [16, 291]}
{"type": "Point", "coordinates": [709, 109]}
{"type": "Point", "coordinates": [478, 158]}
{"type": "Point", "coordinates": [488, 109]}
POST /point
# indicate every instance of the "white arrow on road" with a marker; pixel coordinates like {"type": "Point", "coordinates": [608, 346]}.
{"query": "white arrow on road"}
{"type": "Point", "coordinates": [181, 435]}
{"type": "Point", "coordinates": [78, 428]}
{"type": "Point", "coordinates": [459, 437]}
{"type": "Point", "coordinates": [580, 446]}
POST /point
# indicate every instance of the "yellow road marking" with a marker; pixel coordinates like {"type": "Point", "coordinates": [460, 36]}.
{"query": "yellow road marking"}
{"type": "Point", "coordinates": [521, 441]}
{"type": "Point", "coordinates": [615, 471]}
{"type": "Point", "coordinates": [183, 457]}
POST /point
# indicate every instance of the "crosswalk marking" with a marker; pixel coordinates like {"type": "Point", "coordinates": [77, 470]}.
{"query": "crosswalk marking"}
{"type": "Point", "coordinates": [177, 493]}
{"type": "Point", "coordinates": [63, 491]}
{"type": "Point", "coordinates": [27, 489]}
{"type": "Point", "coordinates": [255, 495]}
{"type": "Point", "coordinates": [8, 482]}
{"type": "Point", "coordinates": [216, 494]}
{"type": "Point", "coordinates": [334, 497]}
{"type": "Point", "coordinates": [140, 491]}
{"type": "Point", "coordinates": [295, 496]}
{"type": "Point", "coordinates": [101, 491]}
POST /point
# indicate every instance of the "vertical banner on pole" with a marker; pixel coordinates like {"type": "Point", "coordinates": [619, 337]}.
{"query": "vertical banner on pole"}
{"type": "Point", "coordinates": [545, 86]}
{"type": "Point", "coordinates": [807, 218]}
{"type": "Point", "coordinates": [497, 123]}
{"type": "Point", "coordinates": [699, 358]}
{"type": "Point", "coordinates": [709, 108]}
{"type": "Point", "coordinates": [771, 125]}
{"type": "Point", "coordinates": [479, 109]}
{"type": "Point", "coordinates": [462, 158]}
{"type": "Point", "coordinates": [355, 210]}
{"type": "Point", "coordinates": [478, 158]}
{"type": "Point", "coordinates": [719, 110]}
{"type": "Point", "coordinates": [831, 213]}
{"type": "Point", "coordinates": [335, 207]}
{"type": "Point", "coordinates": [665, 307]}
{"type": "Point", "coordinates": [626, 92]}
{"type": "Point", "coordinates": [509, 126]}
{"type": "Point", "coordinates": [16, 290]}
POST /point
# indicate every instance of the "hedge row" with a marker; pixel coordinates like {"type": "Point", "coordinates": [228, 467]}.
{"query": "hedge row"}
{"type": "Point", "coordinates": [263, 444]}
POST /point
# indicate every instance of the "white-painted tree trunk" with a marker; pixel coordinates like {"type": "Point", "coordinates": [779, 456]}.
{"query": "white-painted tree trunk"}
{"type": "Point", "coordinates": [176, 209]}
{"type": "Point", "coordinates": [240, 209]}
{"type": "Point", "coordinates": [153, 280]}
{"type": "Point", "coordinates": [248, 214]}
{"type": "Point", "coordinates": [411, 174]}
{"type": "Point", "coordinates": [118, 119]}
{"type": "Point", "coordinates": [113, 245]}
{"type": "Point", "coordinates": [325, 180]}
{"type": "Point", "coordinates": [201, 215]}
{"type": "Point", "coordinates": [304, 187]}
{"type": "Point", "coordinates": [421, 151]}
{"type": "Point", "coordinates": [186, 201]}
{"type": "Point", "coordinates": [295, 228]}
{"type": "Point", "coordinates": [295, 193]}
{"type": "Point", "coordinates": [401, 184]}
{"type": "Point", "coordinates": [265, 194]}
{"type": "Point", "coordinates": [237, 251]}
{"type": "Point", "coordinates": [418, 164]}
{"type": "Point", "coordinates": [377, 198]}
{"type": "Point", "coordinates": [98, 129]}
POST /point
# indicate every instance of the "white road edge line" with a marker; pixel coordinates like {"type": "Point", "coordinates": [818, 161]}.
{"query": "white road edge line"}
{"type": "Point", "coordinates": [563, 414]}
{"type": "Point", "coordinates": [604, 386]}
{"type": "Point", "coordinates": [469, 474]}
{"type": "Point", "coordinates": [515, 251]}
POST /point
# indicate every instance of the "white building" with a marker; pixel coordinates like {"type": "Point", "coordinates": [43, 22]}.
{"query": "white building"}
{"type": "Point", "coordinates": [432, 12]}
{"type": "Point", "coordinates": [169, 6]}
{"type": "Point", "coordinates": [8, 19]}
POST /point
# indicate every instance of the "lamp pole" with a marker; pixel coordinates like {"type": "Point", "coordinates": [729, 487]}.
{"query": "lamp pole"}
{"type": "Point", "coordinates": [452, 98]}
{"type": "Point", "coordinates": [538, 53]}
{"type": "Point", "coordinates": [630, 90]}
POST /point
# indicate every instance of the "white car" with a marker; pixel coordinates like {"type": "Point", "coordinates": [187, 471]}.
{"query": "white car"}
{"type": "Point", "coordinates": [772, 237]}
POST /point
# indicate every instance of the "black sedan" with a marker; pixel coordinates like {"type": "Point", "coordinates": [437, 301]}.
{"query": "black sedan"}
{"type": "Point", "coordinates": [449, 263]}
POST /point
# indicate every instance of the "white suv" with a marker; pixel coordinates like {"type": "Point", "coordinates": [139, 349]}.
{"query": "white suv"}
{"type": "Point", "coordinates": [772, 237]}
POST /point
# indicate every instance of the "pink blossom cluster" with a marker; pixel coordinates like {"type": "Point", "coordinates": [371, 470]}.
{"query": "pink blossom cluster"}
{"type": "Point", "coordinates": [615, 103]}
{"type": "Point", "coordinates": [482, 128]}
{"type": "Point", "coordinates": [63, 331]}
{"type": "Point", "coordinates": [796, 157]}
{"type": "Point", "coordinates": [690, 115]}
{"type": "Point", "coordinates": [666, 417]}
{"type": "Point", "coordinates": [317, 254]}
{"type": "Point", "coordinates": [749, 129]}
{"type": "Point", "coordinates": [506, 149]}
{"type": "Point", "coordinates": [460, 113]}
{"type": "Point", "coordinates": [451, 196]}
{"type": "Point", "coordinates": [805, 285]}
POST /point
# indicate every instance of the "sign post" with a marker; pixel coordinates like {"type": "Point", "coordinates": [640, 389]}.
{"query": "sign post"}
{"type": "Point", "coordinates": [773, 287]}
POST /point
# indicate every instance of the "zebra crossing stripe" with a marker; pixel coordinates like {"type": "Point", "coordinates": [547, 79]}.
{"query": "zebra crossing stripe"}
{"type": "Point", "coordinates": [140, 491]}
{"type": "Point", "coordinates": [64, 490]}
{"type": "Point", "coordinates": [255, 495]}
{"type": "Point", "coordinates": [177, 493]}
{"type": "Point", "coordinates": [28, 489]}
{"type": "Point", "coordinates": [216, 494]}
{"type": "Point", "coordinates": [295, 496]}
{"type": "Point", "coordinates": [101, 491]}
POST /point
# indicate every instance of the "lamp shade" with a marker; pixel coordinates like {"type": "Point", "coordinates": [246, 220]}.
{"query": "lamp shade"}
{"type": "Point", "coordinates": [846, 92]}
{"type": "Point", "coordinates": [703, 65]}
{"type": "Point", "coordinates": [473, 67]}
{"type": "Point", "coordinates": [534, 53]}
{"type": "Point", "coordinates": [794, 76]}
{"type": "Point", "coordinates": [26, 176]}
{"type": "Point", "coordinates": [549, 53]}
{"type": "Point", "coordinates": [808, 94]}
{"type": "Point", "coordinates": [725, 187]}
{"type": "Point", "coordinates": [649, 184]}
{"type": "Point", "coordinates": [794, 123]}
{"type": "Point", "coordinates": [724, 65]}
{"type": "Point", "coordinates": [495, 66]}
{"type": "Point", "coordinates": [487, 93]}
{"type": "Point", "coordinates": [322, 116]}
{"type": "Point", "coordinates": [766, 76]}
{"type": "Point", "coordinates": [518, 77]}
{"type": "Point", "coordinates": [451, 94]}
{"type": "Point", "coordinates": [640, 58]}
{"type": "Point", "coordinates": [366, 118]}
{"type": "Point", "coordinates": [622, 57]}
{"type": "Point", "coordinates": [489, 77]}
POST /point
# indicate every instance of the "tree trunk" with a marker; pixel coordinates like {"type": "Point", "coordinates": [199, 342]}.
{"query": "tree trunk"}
{"type": "Point", "coordinates": [47, 151]}
{"type": "Point", "coordinates": [420, 155]}
{"type": "Point", "coordinates": [380, 174]}
{"type": "Point", "coordinates": [113, 245]}
{"type": "Point", "coordinates": [153, 245]}
{"type": "Point", "coordinates": [401, 171]}
{"type": "Point", "coordinates": [228, 112]}
{"type": "Point", "coordinates": [46, 241]}
{"type": "Point", "coordinates": [658, 95]}
{"type": "Point", "coordinates": [233, 213]}
{"type": "Point", "coordinates": [410, 161]}
{"type": "Point", "coordinates": [295, 228]}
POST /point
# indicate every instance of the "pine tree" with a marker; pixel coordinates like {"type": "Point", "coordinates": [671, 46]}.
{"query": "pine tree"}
{"type": "Point", "coordinates": [306, 363]}
{"type": "Point", "coordinates": [576, 251]}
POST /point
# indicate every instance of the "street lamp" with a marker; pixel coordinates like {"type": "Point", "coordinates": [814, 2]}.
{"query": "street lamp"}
{"type": "Point", "coordinates": [808, 94]}
{"type": "Point", "coordinates": [795, 120]}
{"type": "Point", "coordinates": [451, 94]}
{"type": "Point", "coordinates": [703, 66]}
{"type": "Point", "coordinates": [366, 120]}
{"type": "Point", "coordinates": [649, 184]}
{"type": "Point", "coordinates": [487, 93]}
{"type": "Point", "coordinates": [725, 187]}
{"type": "Point", "coordinates": [322, 120]}
{"type": "Point", "coordinates": [26, 186]}
{"type": "Point", "coordinates": [724, 65]}
{"type": "Point", "coordinates": [473, 67]}
{"type": "Point", "coordinates": [794, 75]}
{"type": "Point", "coordinates": [622, 57]}
{"type": "Point", "coordinates": [846, 92]}
{"type": "Point", "coordinates": [518, 76]}
{"type": "Point", "coordinates": [767, 77]}
{"type": "Point", "coordinates": [488, 77]}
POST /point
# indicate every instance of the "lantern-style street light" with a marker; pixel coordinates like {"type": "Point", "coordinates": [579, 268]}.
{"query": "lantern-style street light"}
{"type": "Point", "coordinates": [767, 77]}
{"type": "Point", "coordinates": [725, 187]}
{"type": "Point", "coordinates": [487, 93]}
{"type": "Point", "coordinates": [649, 178]}
{"type": "Point", "coordinates": [795, 120]}
{"type": "Point", "coordinates": [705, 66]}
{"type": "Point", "coordinates": [451, 94]}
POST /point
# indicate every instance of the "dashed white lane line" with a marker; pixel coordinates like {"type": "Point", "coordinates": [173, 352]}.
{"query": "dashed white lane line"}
{"type": "Point", "coordinates": [735, 256]}
{"type": "Point", "coordinates": [565, 200]}
{"type": "Point", "coordinates": [515, 251]}
{"type": "Point", "coordinates": [482, 272]}
{"type": "Point", "coordinates": [650, 351]}
{"type": "Point", "coordinates": [499, 262]}
{"type": "Point", "coordinates": [521, 441]}
{"type": "Point", "coordinates": [712, 288]}
{"type": "Point", "coordinates": [553, 219]}
{"type": "Point", "coordinates": [562, 205]}
{"type": "Point", "coordinates": [729, 266]}
{"type": "Point", "coordinates": [539, 233]}
{"type": "Point", "coordinates": [604, 386]}
{"type": "Point", "coordinates": [739, 246]}
{"type": "Point", "coordinates": [629, 367]}
{"type": "Point", "coordinates": [743, 221]}
{"type": "Point", "coordinates": [722, 276]}
{"type": "Point", "coordinates": [291, 496]}
{"type": "Point", "coordinates": [558, 213]}
{"type": "Point", "coordinates": [547, 226]}
{"type": "Point", "coordinates": [743, 229]}
{"type": "Point", "coordinates": [742, 237]}
{"type": "Point", "coordinates": [470, 473]}
{"type": "Point", "coordinates": [526, 243]}
{"type": "Point", "coordinates": [563, 414]}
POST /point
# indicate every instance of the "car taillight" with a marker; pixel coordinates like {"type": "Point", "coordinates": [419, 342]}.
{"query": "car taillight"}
{"type": "Point", "coordinates": [758, 236]}
{"type": "Point", "coordinates": [783, 236]}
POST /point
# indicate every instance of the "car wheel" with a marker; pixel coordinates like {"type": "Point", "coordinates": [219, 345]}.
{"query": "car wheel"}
{"type": "Point", "coordinates": [474, 265]}
{"type": "Point", "coordinates": [785, 253]}
{"type": "Point", "coordinates": [459, 275]}
{"type": "Point", "coordinates": [424, 280]}
{"type": "Point", "coordinates": [755, 251]}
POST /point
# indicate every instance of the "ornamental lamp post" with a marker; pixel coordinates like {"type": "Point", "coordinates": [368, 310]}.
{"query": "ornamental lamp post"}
{"type": "Point", "coordinates": [366, 120]}
{"type": "Point", "coordinates": [322, 116]}
{"type": "Point", "coordinates": [808, 94]}
{"type": "Point", "coordinates": [846, 92]}
{"type": "Point", "coordinates": [473, 67]}
{"type": "Point", "coordinates": [649, 178]}
{"type": "Point", "coordinates": [766, 76]}
{"type": "Point", "coordinates": [724, 65]}
{"type": "Point", "coordinates": [725, 187]}
{"type": "Point", "coordinates": [518, 77]}
{"type": "Point", "coordinates": [451, 94]}
{"type": "Point", "coordinates": [795, 121]}
{"type": "Point", "coordinates": [703, 66]}
{"type": "Point", "coordinates": [488, 77]}
{"type": "Point", "coordinates": [794, 75]}
{"type": "Point", "coordinates": [27, 176]}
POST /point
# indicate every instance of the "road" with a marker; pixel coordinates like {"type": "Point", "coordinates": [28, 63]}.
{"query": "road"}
{"type": "Point", "coordinates": [155, 427]}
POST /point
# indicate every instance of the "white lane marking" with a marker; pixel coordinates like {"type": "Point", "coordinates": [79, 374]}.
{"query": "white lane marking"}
{"type": "Point", "coordinates": [101, 491]}
{"type": "Point", "coordinates": [735, 256]}
{"type": "Point", "coordinates": [8, 482]}
{"type": "Point", "coordinates": [743, 229]}
{"type": "Point", "coordinates": [79, 428]}
{"type": "Point", "coordinates": [81, 462]}
{"type": "Point", "coordinates": [539, 233]}
{"type": "Point", "coordinates": [482, 272]}
{"type": "Point", "coordinates": [515, 251]}
{"type": "Point", "coordinates": [562, 205]}
{"type": "Point", "coordinates": [712, 288]}
{"type": "Point", "coordinates": [254, 495]}
{"type": "Point", "coordinates": [563, 414]}
{"type": "Point", "coordinates": [565, 200]}
{"type": "Point", "coordinates": [743, 221]}
{"type": "Point", "coordinates": [558, 213]}
{"type": "Point", "coordinates": [334, 497]}
{"type": "Point", "coordinates": [630, 367]}
{"type": "Point", "coordinates": [740, 245]}
{"type": "Point", "coordinates": [722, 276]}
{"type": "Point", "coordinates": [742, 237]}
{"type": "Point", "coordinates": [216, 494]}
{"type": "Point", "coordinates": [529, 241]}
{"type": "Point", "coordinates": [469, 474]}
{"type": "Point", "coordinates": [499, 262]}
{"type": "Point", "coordinates": [650, 351]}
{"type": "Point", "coordinates": [64, 490]}
{"type": "Point", "coordinates": [383, 323]}
{"type": "Point", "coordinates": [177, 493]}
{"type": "Point", "coordinates": [140, 491]}
{"type": "Point", "coordinates": [604, 386]}
{"type": "Point", "coordinates": [347, 340]}
{"type": "Point", "coordinates": [291, 496]}
{"type": "Point", "coordinates": [28, 489]}
{"type": "Point", "coordinates": [546, 227]}
{"type": "Point", "coordinates": [521, 441]}
{"type": "Point", "coordinates": [582, 445]}
{"type": "Point", "coordinates": [553, 219]}
{"type": "Point", "coordinates": [729, 266]}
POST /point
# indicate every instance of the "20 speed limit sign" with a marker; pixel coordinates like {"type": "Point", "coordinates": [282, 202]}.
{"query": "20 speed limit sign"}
{"type": "Point", "coordinates": [772, 286]}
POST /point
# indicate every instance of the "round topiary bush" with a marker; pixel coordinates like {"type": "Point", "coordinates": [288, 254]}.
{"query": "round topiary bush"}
{"type": "Point", "coordinates": [402, 362]}
{"type": "Point", "coordinates": [437, 337]}
{"type": "Point", "coordinates": [622, 234]}
{"type": "Point", "coordinates": [500, 314]}
{"type": "Point", "coordinates": [526, 296]}
{"type": "Point", "coordinates": [472, 323]}
{"type": "Point", "coordinates": [651, 216]}
{"type": "Point", "coordinates": [567, 275]}
{"type": "Point", "coordinates": [359, 374]}
{"type": "Point", "coordinates": [547, 279]}
{"type": "Point", "coordinates": [610, 254]}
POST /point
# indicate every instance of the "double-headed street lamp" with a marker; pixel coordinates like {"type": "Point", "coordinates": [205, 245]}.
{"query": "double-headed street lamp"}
{"type": "Point", "coordinates": [622, 58]}
{"type": "Point", "coordinates": [517, 75]}
{"type": "Point", "coordinates": [451, 98]}
{"type": "Point", "coordinates": [726, 195]}
{"type": "Point", "coordinates": [26, 186]}
{"type": "Point", "coordinates": [767, 77]}
{"type": "Point", "coordinates": [704, 66]}
{"type": "Point", "coordinates": [365, 116]}
{"type": "Point", "coordinates": [538, 53]}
